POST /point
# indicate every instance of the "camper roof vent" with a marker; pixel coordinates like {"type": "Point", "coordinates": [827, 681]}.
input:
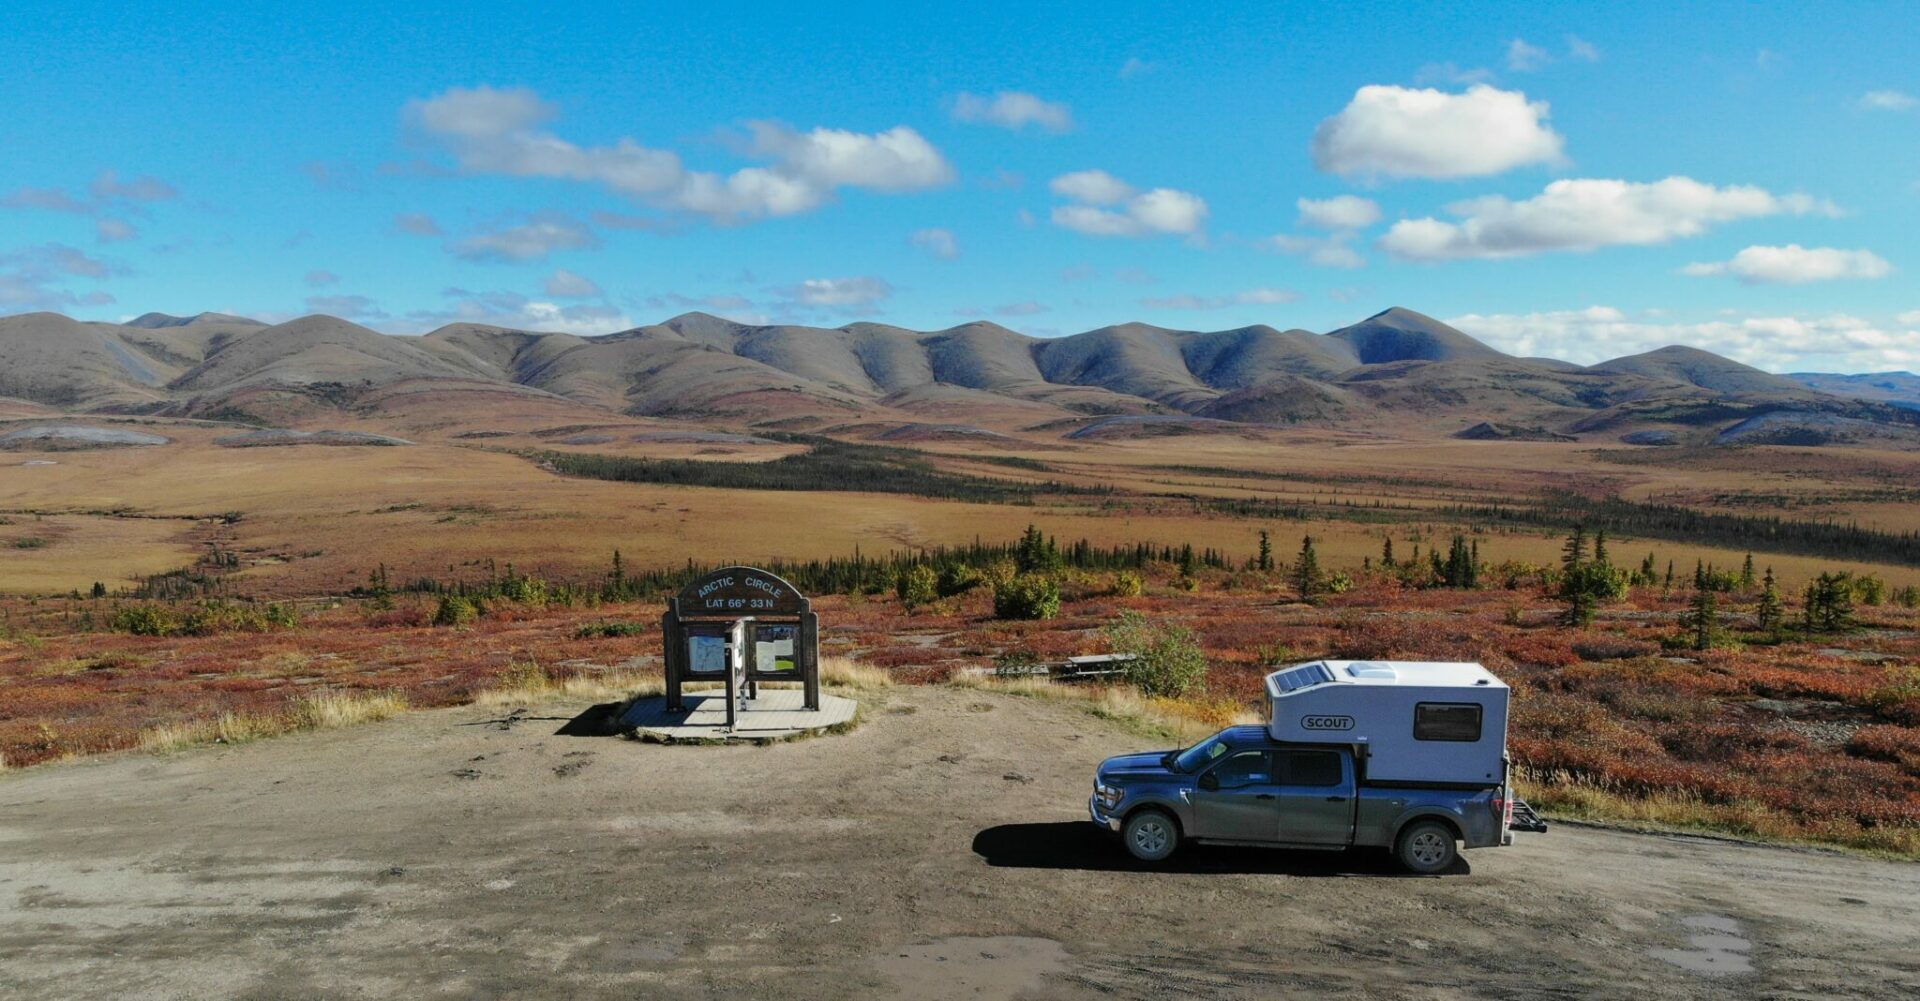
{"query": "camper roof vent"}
{"type": "Point", "coordinates": [1369, 669]}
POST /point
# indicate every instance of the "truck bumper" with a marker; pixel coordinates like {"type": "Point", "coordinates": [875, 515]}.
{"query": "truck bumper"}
{"type": "Point", "coordinates": [1110, 824]}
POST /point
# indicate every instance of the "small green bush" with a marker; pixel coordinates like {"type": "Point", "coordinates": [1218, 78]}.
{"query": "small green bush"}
{"type": "Point", "coordinates": [917, 585]}
{"type": "Point", "coordinates": [145, 620]}
{"type": "Point", "coordinates": [1127, 584]}
{"type": "Point", "coordinates": [609, 630]}
{"type": "Point", "coordinates": [455, 610]}
{"type": "Point", "coordinates": [958, 578]}
{"type": "Point", "coordinates": [1027, 596]}
{"type": "Point", "coordinates": [1167, 660]}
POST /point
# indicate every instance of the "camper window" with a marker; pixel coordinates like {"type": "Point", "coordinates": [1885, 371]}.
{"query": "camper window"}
{"type": "Point", "coordinates": [1455, 721]}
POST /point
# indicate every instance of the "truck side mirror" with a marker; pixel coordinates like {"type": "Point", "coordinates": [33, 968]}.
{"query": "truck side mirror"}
{"type": "Point", "coordinates": [1209, 781]}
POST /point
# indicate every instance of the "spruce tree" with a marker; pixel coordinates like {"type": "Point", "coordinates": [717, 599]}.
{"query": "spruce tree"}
{"type": "Point", "coordinates": [1266, 552]}
{"type": "Point", "coordinates": [1768, 612]}
{"type": "Point", "coordinates": [1307, 578]}
{"type": "Point", "coordinates": [1386, 554]}
{"type": "Point", "coordinates": [1746, 574]}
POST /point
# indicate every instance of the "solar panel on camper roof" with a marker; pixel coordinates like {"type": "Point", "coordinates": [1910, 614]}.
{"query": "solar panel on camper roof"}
{"type": "Point", "coordinates": [1304, 676]}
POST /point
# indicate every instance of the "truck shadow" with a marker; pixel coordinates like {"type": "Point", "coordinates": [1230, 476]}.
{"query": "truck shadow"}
{"type": "Point", "coordinates": [1079, 845]}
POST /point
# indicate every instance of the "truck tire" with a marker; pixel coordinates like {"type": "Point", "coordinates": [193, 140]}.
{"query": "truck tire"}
{"type": "Point", "coordinates": [1150, 835]}
{"type": "Point", "coordinates": [1426, 847]}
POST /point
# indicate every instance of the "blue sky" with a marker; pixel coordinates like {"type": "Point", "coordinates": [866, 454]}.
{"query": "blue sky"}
{"type": "Point", "coordinates": [1574, 180]}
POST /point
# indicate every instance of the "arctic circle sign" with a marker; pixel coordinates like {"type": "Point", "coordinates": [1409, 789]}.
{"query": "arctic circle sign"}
{"type": "Point", "coordinates": [741, 591]}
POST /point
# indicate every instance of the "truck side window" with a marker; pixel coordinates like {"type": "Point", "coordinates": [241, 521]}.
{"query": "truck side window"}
{"type": "Point", "coordinates": [1310, 768]}
{"type": "Point", "coordinates": [1243, 769]}
{"type": "Point", "coordinates": [1456, 721]}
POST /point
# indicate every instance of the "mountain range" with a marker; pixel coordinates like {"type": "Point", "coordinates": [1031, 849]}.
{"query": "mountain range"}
{"type": "Point", "coordinates": [1397, 369]}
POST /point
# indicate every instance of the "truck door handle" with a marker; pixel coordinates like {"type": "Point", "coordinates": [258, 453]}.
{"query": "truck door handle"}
{"type": "Point", "coordinates": [1336, 799]}
{"type": "Point", "coordinates": [1264, 795]}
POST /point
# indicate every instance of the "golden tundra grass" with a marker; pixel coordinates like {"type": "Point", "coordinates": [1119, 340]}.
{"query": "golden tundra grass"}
{"type": "Point", "coordinates": [319, 711]}
{"type": "Point", "coordinates": [530, 682]}
{"type": "Point", "coordinates": [1185, 719]}
{"type": "Point", "coordinates": [1678, 810]}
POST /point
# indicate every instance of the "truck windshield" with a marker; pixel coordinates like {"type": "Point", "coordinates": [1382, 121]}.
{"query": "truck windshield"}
{"type": "Point", "coordinates": [1196, 757]}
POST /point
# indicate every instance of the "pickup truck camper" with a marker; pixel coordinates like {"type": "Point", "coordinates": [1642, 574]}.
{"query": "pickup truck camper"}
{"type": "Point", "coordinates": [1407, 756]}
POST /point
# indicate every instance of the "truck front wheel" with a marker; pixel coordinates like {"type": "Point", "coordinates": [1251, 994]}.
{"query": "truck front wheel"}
{"type": "Point", "coordinates": [1426, 847]}
{"type": "Point", "coordinates": [1150, 835]}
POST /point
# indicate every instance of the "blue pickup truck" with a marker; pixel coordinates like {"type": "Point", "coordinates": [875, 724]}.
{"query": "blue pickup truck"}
{"type": "Point", "coordinates": [1243, 787]}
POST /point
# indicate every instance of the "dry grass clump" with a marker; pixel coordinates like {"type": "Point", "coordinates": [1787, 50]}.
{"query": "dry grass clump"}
{"type": "Point", "coordinates": [1186, 719]}
{"type": "Point", "coordinates": [530, 682]}
{"type": "Point", "coordinates": [332, 710]}
{"type": "Point", "coordinates": [845, 672]}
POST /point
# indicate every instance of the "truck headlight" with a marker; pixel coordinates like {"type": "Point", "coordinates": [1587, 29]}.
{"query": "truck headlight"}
{"type": "Point", "coordinates": [1109, 796]}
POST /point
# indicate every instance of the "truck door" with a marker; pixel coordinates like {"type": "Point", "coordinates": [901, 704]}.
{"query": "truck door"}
{"type": "Point", "coordinates": [1315, 797]}
{"type": "Point", "coordinates": [1235, 799]}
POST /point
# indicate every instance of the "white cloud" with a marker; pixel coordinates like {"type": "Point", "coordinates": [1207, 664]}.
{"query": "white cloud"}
{"type": "Point", "coordinates": [417, 223]}
{"type": "Point", "coordinates": [856, 293]}
{"type": "Point", "coordinates": [1889, 100]}
{"type": "Point", "coordinates": [518, 312]}
{"type": "Point", "coordinates": [1911, 318]}
{"type": "Point", "coordinates": [48, 199]}
{"type": "Point", "coordinates": [938, 242]}
{"type": "Point", "coordinates": [1795, 265]}
{"type": "Point", "coordinates": [320, 278]}
{"type": "Point", "coordinates": [1251, 297]}
{"type": "Point", "coordinates": [1333, 251]}
{"type": "Point", "coordinates": [1581, 49]}
{"type": "Point", "coordinates": [1585, 214]}
{"type": "Point", "coordinates": [31, 278]}
{"type": "Point", "coordinates": [1525, 58]}
{"type": "Point", "coordinates": [1452, 73]}
{"type": "Point", "coordinates": [1136, 213]}
{"type": "Point", "coordinates": [111, 230]}
{"type": "Point", "coordinates": [492, 131]}
{"type": "Point", "coordinates": [529, 241]}
{"type": "Point", "coordinates": [1392, 131]}
{"type": "Point", "coordinates": [1012, 109]}
{"type": "Point", "coordinates": [1096, 187]}
{"type": "Point", "coordinates": [564, 284]}
{"type": "Point", "coordinates": [1135, 66]}
{"type": "Point", "coordinates": [109, 186]}
{"type": "Point", "coordinates": [1339, 212]}
{"type": "Point", "coordinates": [1832, 342]}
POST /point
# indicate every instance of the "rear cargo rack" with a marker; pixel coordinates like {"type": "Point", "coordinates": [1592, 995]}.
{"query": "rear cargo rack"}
{"type": "Point", "coordinates": [1525, 818]}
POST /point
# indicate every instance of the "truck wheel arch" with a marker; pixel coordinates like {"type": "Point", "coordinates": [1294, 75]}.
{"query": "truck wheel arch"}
{"type": "Point", "coordinates": [1158, 807]}
{"type": "Point", "coordinates": [1452, 823]}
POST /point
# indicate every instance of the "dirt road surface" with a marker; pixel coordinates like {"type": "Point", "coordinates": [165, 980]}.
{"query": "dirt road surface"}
{"type": "Point", "coordinates": [940, 850]}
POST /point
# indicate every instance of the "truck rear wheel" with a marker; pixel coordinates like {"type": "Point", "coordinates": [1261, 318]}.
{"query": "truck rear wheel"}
{"type": "Point", "coordinates": [1150, 835]}
{"type": "Point", "coordinates": [1426, 847]}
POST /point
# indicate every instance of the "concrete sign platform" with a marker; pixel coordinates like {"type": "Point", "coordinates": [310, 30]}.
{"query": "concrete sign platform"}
{"type": "Point", "coordinates": [776, 714]}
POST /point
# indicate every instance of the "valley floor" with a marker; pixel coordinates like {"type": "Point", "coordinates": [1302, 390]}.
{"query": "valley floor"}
{"type": "Point", "coordinates": [939, 850]}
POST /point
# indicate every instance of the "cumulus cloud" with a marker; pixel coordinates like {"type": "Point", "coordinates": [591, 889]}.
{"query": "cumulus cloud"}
{"type": "Point", "coordinates": [1388, 131]}
{"type": "Point", "coordinates": [564, 284]}
{"type": "Point", "coordinates": [501, 131]}
{"type": "Point", "coordinates": [47, 199]}
{"type": "Point", "coordinates": [319, 278]}
{"type": "Point", "coordinates": [418, 224]}
{"type": "Point", "coordinates": [529, 241]}
{"type": "Point", "coordinates": [1889, 100]}
{"type": "Point", "coordinates": [938, 242]}
{"type": "Point", "coordinates": [517, 312]}
{"type": "Point", "coordinates": [146, 188]}
{"type": "Point", "coordinates": [1338, 212]}
{"type": "Point", "coordinates": [853, 294]}
{"type": "Point", "coordinates": [1911, 318]}
{"type": "Point", "coordinates": [1250, 297]}
{"type": "Point", "coordinates": [1795, 265]}
{"type": "Point", "coordinates": [1832, 342]}
{"type": "Point", "coordinates": [1013, 109]}
{"type": "Point", "coordinates": [1333, 251]}
{"type": "Point", "coordinates": [1132, 212]}
{"type": "Point", "coordinates": [346, 307]}
{"type": "Point", "coordinates": [1525, 58]}
{"type": "Point", "coordinates": [1585, 214]}
{"type": "Point", "coordinates": [33, 277]}
{"type": "Point", "coordinates": [110, 230]}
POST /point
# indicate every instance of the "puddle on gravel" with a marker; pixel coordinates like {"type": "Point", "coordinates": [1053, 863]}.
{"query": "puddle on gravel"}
{"type": "Point", "coordinates": [1000, 967]}
{"type": "Point", "coordinates": [1720, 948]}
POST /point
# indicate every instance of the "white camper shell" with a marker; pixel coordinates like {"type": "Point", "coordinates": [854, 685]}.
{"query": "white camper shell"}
{"type": "Point", "coordinates": [1427, 723]}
